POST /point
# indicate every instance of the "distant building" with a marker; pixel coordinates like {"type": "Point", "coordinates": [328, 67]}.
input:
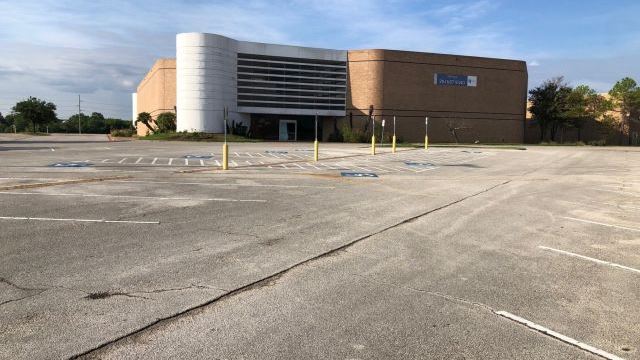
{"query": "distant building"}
{"type": "Point", "coordinates": [275, 91]}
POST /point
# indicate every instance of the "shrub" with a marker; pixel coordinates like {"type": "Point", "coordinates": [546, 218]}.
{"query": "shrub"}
{"type": "Point", "coordinates": [601, 142]}
{"type": "Point", "coordinates": [352, 135]}
{"type": "Point", "coordinates": [166, 122]}
{"type": "Point", "coordinates": [122, 132]}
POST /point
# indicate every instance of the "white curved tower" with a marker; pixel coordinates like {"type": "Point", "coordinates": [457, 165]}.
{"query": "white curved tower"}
{"type": "Point", "coordinates": [206, 81]}
{"type": "Point", "coordinates": [214, 71]}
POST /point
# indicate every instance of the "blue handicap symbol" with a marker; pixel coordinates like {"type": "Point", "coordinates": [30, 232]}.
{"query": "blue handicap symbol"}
{"type": "Point", "coordinates": [418, 164]}
{"type": "Point", "coordinates": [357, 174]}
{"type": "Point", "coordinates": [71, 164]}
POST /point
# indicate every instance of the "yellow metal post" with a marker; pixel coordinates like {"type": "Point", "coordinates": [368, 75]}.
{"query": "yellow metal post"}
{"type": "Point", "coordinates": [393, 144]}
{"type": "Point", "coordinates": [373, 144]}
{"type": "Point", "coordinates": [426, 132]}
{"type": "Point", "coordinates": [315, 150]}
{"type": "Point", "coordinates": [225, 156]}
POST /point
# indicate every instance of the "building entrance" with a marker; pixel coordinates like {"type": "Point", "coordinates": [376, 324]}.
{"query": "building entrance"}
{"type": "Point", "coordinates": [288, 130]}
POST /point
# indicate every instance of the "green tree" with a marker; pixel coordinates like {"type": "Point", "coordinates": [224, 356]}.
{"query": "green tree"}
{"type": "Point", "coordinates": [97, 124]}
{"type": "Point", "coordinates": [115, 124]}
{"type": "Point", "coordinates": [71, 125]}
{"type": "Point", "coordinates": [625, 95]}
{"type": "Point", "coordinates": [16, 120]}
{"type": "Point", "coordinates": [584, 104]}
{"type": "Point", "coordinates": [549, 106]}
{"type": "Point", "coordinates": [146, 119]}
{"type": "Point", "coordinates": [36, 111]}
{"type": "Point", "coordinates": [166, 122]}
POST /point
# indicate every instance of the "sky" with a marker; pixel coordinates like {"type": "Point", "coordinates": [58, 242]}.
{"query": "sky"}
{"type": "Point", "coordinates": [58, 49]}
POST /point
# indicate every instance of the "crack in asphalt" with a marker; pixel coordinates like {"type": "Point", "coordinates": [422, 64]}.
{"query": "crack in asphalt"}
{"type": "Point", "coordinates": [37, 291]}
{"type": "Point", "coordinates": [192, 286]}
{"type": "Point", "coordinates": [12, 284]}
{"type": "Point", "coordinates": [272, 279]}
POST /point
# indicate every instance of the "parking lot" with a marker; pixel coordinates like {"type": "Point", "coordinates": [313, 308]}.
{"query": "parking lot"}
{"type": "Point", "coordinates": [147, 249]}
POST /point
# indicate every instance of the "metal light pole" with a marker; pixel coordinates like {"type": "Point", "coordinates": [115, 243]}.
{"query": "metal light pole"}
{"type": "Point", "coordinates": [225, 147]}
{"type": "Point", "coordinates": [426, 132]}
{"type": "Point", "coordinates": [315, 142]}
{"type": "Point", "coordinates": [393, 139]}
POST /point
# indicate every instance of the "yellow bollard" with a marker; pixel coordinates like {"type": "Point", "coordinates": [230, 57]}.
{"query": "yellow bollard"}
{"type": "Point", "coordinates": [426, 142]}
{"type": "Point", "coordinates": [373, 145]}
{"type": "Point", "coordinates": [393, 144]}
{"type": "Point", "coordinates": [225, 156]}
{"type": "Point", "coordinates": [315, 150]}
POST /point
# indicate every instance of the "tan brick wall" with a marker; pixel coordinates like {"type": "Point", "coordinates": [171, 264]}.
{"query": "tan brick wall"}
{"type": "Point", "coordinates": [401, 83]}
{"type": "Point", "coordinates": [157, 91]}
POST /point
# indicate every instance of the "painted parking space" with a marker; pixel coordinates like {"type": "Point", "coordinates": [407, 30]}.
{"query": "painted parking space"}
{"type": "Point", "coordinates": [412, 161]}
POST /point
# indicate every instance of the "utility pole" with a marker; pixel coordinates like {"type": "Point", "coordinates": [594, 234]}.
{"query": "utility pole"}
{"type": "Point", "coordinates": [79, 128]}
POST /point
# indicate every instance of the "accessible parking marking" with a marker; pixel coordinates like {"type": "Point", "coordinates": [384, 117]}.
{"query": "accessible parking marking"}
{"type": "Point", "coordinates": [598, 261]}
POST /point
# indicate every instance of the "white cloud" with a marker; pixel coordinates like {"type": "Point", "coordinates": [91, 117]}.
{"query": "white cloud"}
{"type": "Point", "coordinates": [56, 48]}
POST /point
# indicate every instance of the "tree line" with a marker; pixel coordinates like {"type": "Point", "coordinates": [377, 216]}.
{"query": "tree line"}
{"type": "Point", "coordinates": [556, 107]}
{"type": "Point", "coordinates": [36, 115]}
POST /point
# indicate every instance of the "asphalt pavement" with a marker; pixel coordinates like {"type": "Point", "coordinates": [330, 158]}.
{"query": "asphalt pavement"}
{"type": "Point", "coordinates": [147, 249]}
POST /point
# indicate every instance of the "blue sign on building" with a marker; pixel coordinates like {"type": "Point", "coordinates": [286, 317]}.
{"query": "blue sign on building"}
{"type": "Point", "coordinates": [455, 80]}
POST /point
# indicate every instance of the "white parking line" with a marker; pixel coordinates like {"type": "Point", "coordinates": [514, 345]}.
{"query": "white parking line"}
{"type": "Point", "coordinates": [138, 161]}
{"type": "Point", "coordinates": [218, 163]}
{"type": "Point", "coordinates": [602, 224]}
{"type": "Point", "coordinates": [105, 160]}
{"type": "Point", "coordinates": [78, 220]}
{"type": "Point", "coordinates": [170, 161]}
{"type": "Point", "coordinates": [186, 162]}
{"type": "Point", "coordinates": [223, 184]}
{"type": "Point", "coordinates": [201, 162]}
{"type": "Point", "coordinates": [122, 161]}
{"type": "Point", "coordinates": [154, 161]}
{"type": "Point", "coordinates": [131, 197]}
{"type": "Point", "coordinates": [563, 338]}
{"type": "Point", "coordinates": [620, 192]}
{"type": "Point", "coordinates": [603, 262]}
{"type": "Point", "coordinates": [597, 204]}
